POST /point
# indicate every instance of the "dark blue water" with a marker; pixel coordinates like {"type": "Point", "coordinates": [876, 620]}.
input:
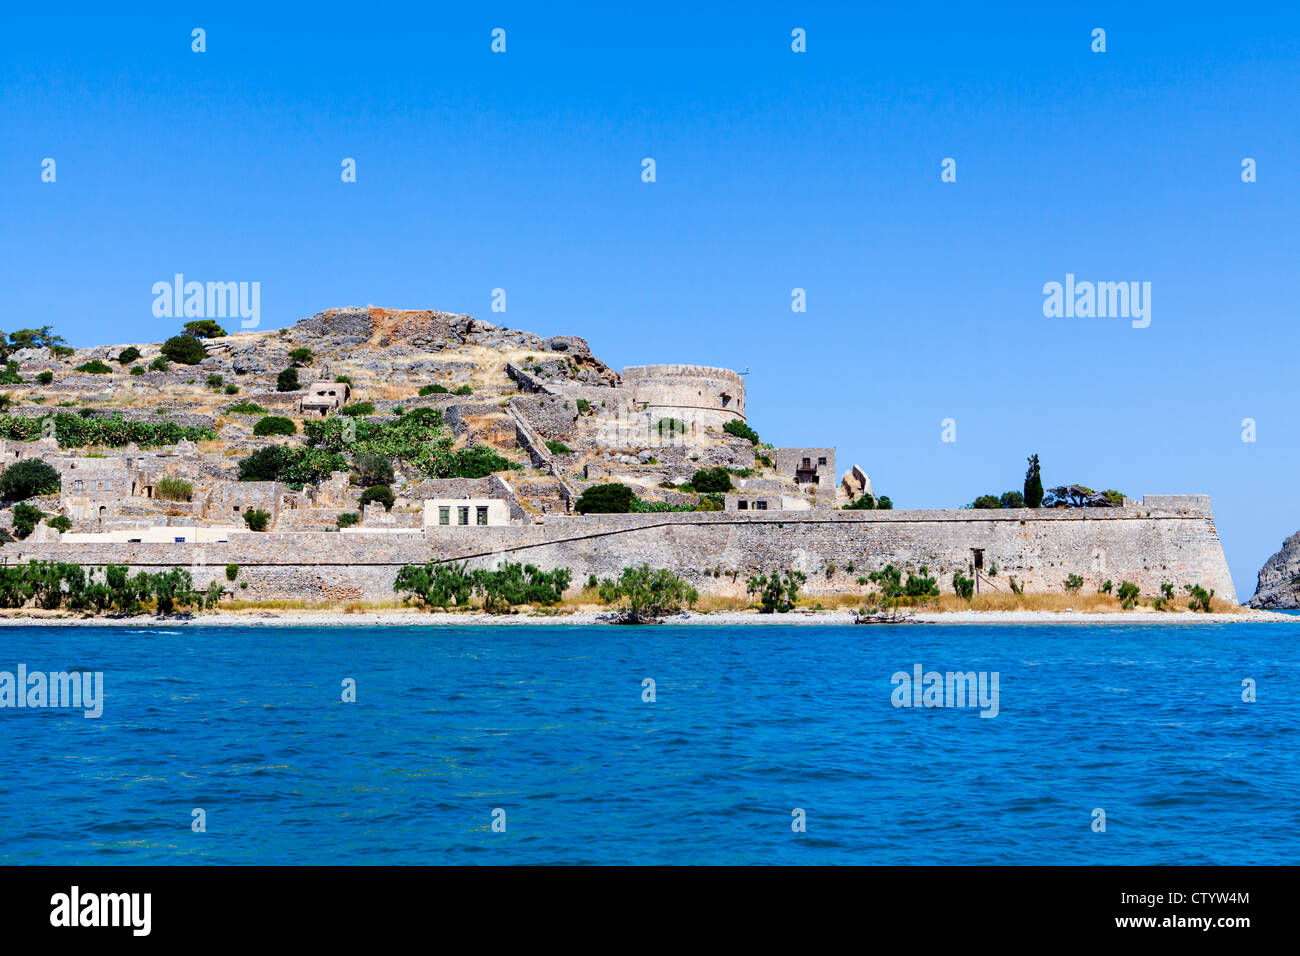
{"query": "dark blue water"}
{"type": "Point", "coordinates": [548, 724]}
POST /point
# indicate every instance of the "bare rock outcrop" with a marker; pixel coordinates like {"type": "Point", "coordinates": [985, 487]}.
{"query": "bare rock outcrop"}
{"type": "Point", "coordinates": [1279, 578]}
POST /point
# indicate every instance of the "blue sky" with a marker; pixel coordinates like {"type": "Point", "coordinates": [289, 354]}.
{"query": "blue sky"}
{"type": "Point", "coordinates": [775, 170]}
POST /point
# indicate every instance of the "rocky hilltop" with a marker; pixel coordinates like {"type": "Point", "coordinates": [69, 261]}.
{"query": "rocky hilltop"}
{"type": "Point", "coordinates": [1279, 578]}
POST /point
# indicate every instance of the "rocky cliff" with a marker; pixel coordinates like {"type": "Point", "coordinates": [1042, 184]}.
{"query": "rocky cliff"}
{"type": "Point", "coordinates": [1279, 578]}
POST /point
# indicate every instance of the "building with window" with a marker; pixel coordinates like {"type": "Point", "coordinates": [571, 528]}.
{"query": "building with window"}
{"type": "Point", "coordinates": [465, 512]}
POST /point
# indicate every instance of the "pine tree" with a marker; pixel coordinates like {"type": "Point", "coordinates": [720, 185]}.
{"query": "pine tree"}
{"type": "Point", "coordinates": [1033, 485]}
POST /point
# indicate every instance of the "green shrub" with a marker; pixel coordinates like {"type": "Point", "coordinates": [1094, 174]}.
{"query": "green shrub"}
{"type": "Point", "coordinates": [777, 591]}
{"type": "Point", "coordinates": [475, 461]}
{"type": "Point", "coordinates": [986, 501]}
{"type": "Point", "coordinates": [1128, 594]}
{"type": "Point", "coordinates": [436, 585]}
{"type": "Point", "coordinates": [293, 466]}
{"type": "Point", "coordinates": [45, 378]}
{"type": "Point", "coordinates": [128, 355]}
{"type": "Point", "coordinates": [256, 519]}
{"type": "Point", "coordinates": [369, 470]}
{"type": "Point", "coordinates": [26, 518]}
{"type": "Point", "coordinates": [347, 519]}
{"type": "Point", "coordinates": [215, 381]}
{"type": "Point", "coordinates": [203, 329]}
{"type": "Point", "coordinates": [513, 584]}
{"type": "Point", "coordinates": [884, 503]}
{"type": "Point", "coordinates": [358, 409]}
{"type": "Point", "coordinates": [1012, 499]}
{"type": "Point", "coordinates": [1105, 587]}
{"type": "Point", "coordinates": [231, 389]}
{"type": "Point", "coordinates": [605, 500]}
{"type": "Point", "coordinates": [232, 572]}
{"type": "Point", "coordinates": [711, 481]}
{"type": "Point", "coordinates": [94, 367]}
{"type": "Point", "coordinates": [246, 408]}
{"type": "Point", "coordinates": [73, 431]}
{"type": "Point", "coordinates": [61, 351]}
{"type": "Point", "coordinates": [137, 369]}
{"type": "Point", "coordinates": [435, 389]}
{"type": "Point", "coordinates": [738, 428]}
{"type": "Point", "coordinates": [275, 425]}
{"type": "Point", "coordinates": [185, 349]}
{"type": "Point", "coordinates": [463, 390]}
{"type": "Point", "coordinates": [963, 586]}
{"type": "Point", "coordinates": [9, 374]}
{"type": "Point", "coordinates": [381, 493]}
{"type": "Point", "coordinates": [344, 379]}
{"type": "Point", "coordinates": [60, 523]}
{"type": "Point", "coordinates": [558, 448]}
{"type": "Point", "coordinates": [300, 356]}
{"type": "Point", "coordinates": [865, 502]}
{"type": "Point", "coordinates": [287, 381]}
{"type": "Point", "coordinates": [1200, 597]}
{"type": "Point", "coordinates": [173, 489]}
{"type": "Point", "coordinates": [28, 479]}
{"type": "Point", "coordinates": [159, 364]}
{"type": "Point", "coordinates": [1073, 583]}
{"type": "Point", "coordinates": [584, 406]}
{"type": "Point", "coordinates": [647, 595]}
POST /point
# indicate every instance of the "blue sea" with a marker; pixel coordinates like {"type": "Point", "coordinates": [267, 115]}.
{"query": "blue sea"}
{"type": "Point", "coordinates": [545, 730]}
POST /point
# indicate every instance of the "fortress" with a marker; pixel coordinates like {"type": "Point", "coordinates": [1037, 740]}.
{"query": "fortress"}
{"type": "Point", "coordinates": [557, 421]}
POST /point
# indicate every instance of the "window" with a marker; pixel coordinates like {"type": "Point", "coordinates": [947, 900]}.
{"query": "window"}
{"type": "Point", "coordinates": [76, 485]}
{"type": "Point", "coordinates": [444, 514]}
{"type": "Point", "coordinates": [462, 515]}
{"type": "Point", "coordinates": [180, 540]}
{"type": "Point", "coordinates": [821, 461]}
{"type": "Point", "coordinates": [807, 463]}
{"type": "Point", "coordinates": [742, 505]}
{"type": "Point", "coordinates": [761, 505]}
{"type": "Point", "coordinates": [236, 509]}
{"type": "Point", "coordinates": [480, 514]}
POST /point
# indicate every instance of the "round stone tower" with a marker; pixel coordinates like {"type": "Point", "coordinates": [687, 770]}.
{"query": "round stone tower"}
{"type": "Point", "coordinates": [695, 394]}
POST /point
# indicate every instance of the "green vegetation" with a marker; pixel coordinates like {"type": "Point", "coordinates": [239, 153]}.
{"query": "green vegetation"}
{"type": "Point", "coordinates": [358, 410]}
{"type": "Point", "coordinates": [159, 364]}
{"type": "Point", "coordinates": [9, 374]}
{"type": "Point", "coordinates": [869, 503]}
{"type": "Point", "coordinates": [173, 489]}
{"type": "Point", "coordinates": [203, 329]}
{"type": "Point", "coordinates": [1128, 595]}
{"type": "Point", "coordinates": [45, 378]}
{"type": "Point", "coordinates": [510, 585]}
{"type": "Point", "coordinates": [741, 430]}
{"type": "Point", "coordinates": [52, 585]}
{"type": "Point", "coordinates": [232, 572]}
{"type": "Point", "coordinates": [246, 408]}
{"type": "Point", "coordinates": [344, 379]}
{"type": "Point", "coordinates": [275, 425]}
{"type": "Point", "coordinates": [28, 479]}
{"type": "Point", "coordinates": [1008, 499]}
{"type": "Point", "coordinates": [710, 481]}
{"type": "Point", "coordinates": [963, 586]}
{"type": "Point", "coordinates": [606, 499]}
{"type": "Point", "coordinates": [584, 406]}
{"type": "Point", "coordinates": [890, 581]}
{"type": "Point", "coordinates": [137, 369]}
{"type": "Point", "coordinates": [1105, 587]}
{"type": "Point", "coordinates": [256, 519]}
{"type": "Point", "coordinates": [42, 338]}
{"type": "Point", "coordinates": [1033, 484]}
{"type": "Point", "coordinates": [128, 355]}
{"type": "Point", "coordinates": [435, 389]}
{"type": "Point", "coordinates": [646, 595]}
{"type": "Point", "coordinates": [777, 591]}
{"type": "Point", "coordinates": [347, 519]}
{"type": "Point", "coordinates": [26, 518]}
{"type": "Point", "coordinates": [463, 390]}
{"type": "Point", "coordinates": [73, 431]}
{"type": "Point", "coordinates": [300, 356]}
{"type": "Point", "coordinates": [293, 466]}
{"type": "Point", "coordinates": [1200, 597]}
{"type": "Point", "coordinates": [185, 349]}
{"type": "Point", "coordinates": [60, 523]}
{"type": "Point", "coordinates": [475, 461]}
{"type": "Point", "coordinates": [558, 448]}
{"type": "Point", "coordinates": [381, 493]}
{"type": "Point", "coordinates": [416, 437]}
{"type": "Point", "coordinates": [1073, 583]}
{"type": "Point", "coordinates": [215, 382]}
{"type": "Point", "coordinates": [368, 470]}
{"type": "Point", "coordinates": [287, 381]}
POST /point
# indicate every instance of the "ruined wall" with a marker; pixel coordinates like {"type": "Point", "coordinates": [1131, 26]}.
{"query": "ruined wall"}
{"type": "Point", "coordinates": [692, 393]}
{"type": "Point", "coordinates": [1148, 546]}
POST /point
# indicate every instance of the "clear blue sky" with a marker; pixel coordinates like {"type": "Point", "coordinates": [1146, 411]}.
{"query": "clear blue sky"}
{"type": "Point", "coordinates": [775, 170]}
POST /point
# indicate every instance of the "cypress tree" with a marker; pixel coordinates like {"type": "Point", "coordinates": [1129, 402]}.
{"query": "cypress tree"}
{"type": "Point", "coordinates": [1033, 485]}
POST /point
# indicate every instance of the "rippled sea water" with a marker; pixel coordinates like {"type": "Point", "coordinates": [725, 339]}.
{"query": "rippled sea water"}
{"type": "Point", "coordinates": [548, 723]}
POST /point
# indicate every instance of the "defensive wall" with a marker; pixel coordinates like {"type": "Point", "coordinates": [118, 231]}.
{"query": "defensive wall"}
{"type": "Point", "coordinates": [1175, 542]}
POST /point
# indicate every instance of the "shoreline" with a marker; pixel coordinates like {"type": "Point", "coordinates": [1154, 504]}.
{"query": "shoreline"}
{"type": "Point", "coordinates": [400, 618]}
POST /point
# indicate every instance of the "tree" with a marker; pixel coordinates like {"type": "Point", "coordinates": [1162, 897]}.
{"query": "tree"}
{"type": "Point", "coordinates": [647, 595]}
{"type": "Point", "coordinates": [512, 584]}
{"type": "Point", "coordinates": [1012, 499]}
{"type": "Point", "coordinates": [128, 355]}
{"type": "Point", "coordinates": [1033, 484]}
{"type": "Point", "coordinates": [300, 356]}
{"type": "Point", "coordinates": [35, 338]}
{"type": "Point", "coordinates": [963, 586]}
{"type": "Point", "coordinates": [287, 381]}
{"type": "Point", "coordinates": [605, 500]}
{"type": "Point", "coordinates": [256, 519]}
{"type": "Point", "coordinates": [738, 428]}
{"type": "Point", "coordinates": [436, 585]}
{"type": "Point", "coordinates": [368, 470]}
{"type": "Point", "coordinates": [777, 591]}
{"type": "Point", "coordinates": [381, 493]}
{"type": "Point", "coordinates": [986, 501]}
{"type": "Point", "coordinates": [26, 518]}
{"type": "Point", "coordinates": [711, 481]}
{"type": "Point", "coordinates": [866, 502]}
{"type": "Point", "coordinates": [185, 349]}
{"type": "Point", "coordinates": [204, 329]}
{"type": "Point", "coordinates": [475, 461]}
{"type": "Point", "coordinates": [27, 479]}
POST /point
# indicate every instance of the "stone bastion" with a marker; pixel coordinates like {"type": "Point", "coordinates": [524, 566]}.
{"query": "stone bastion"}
{"type": "Point", "coordinates": [709, 397]}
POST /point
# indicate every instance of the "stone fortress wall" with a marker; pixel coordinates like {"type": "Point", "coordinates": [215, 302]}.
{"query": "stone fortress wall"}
{"type": "Point", "coordinates": [695, 394]}
{"type": "Point", "coordinates": [1163, 539]}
